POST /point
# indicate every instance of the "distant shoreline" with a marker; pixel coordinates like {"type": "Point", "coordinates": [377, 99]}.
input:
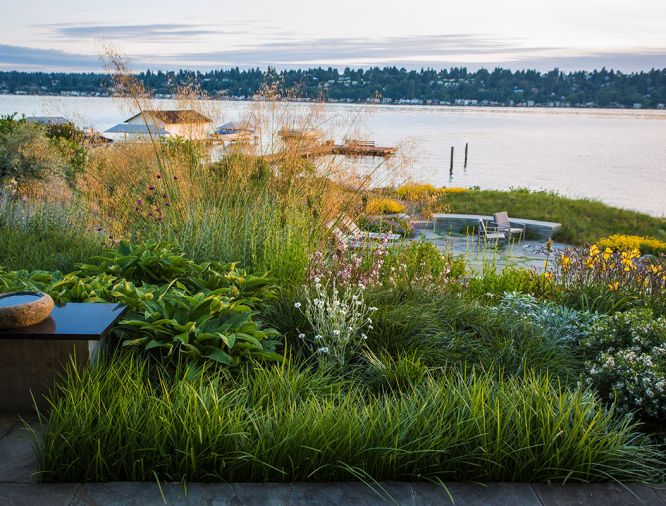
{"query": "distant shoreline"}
{"type": "Point", "coordinates": [397, 103]}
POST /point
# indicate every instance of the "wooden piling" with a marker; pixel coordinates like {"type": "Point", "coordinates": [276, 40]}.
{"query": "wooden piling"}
{"type": "Point", "coordinates": [451, 165]}
{"type": "Point", "coordinates": [466, 148]}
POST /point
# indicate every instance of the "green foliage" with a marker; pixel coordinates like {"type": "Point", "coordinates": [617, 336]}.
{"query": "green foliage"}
{"type": "Point", "coordinates": [446, 330]}
{"type": "Point", "coordinates": [386, 224]}
{"type": "Point", "coordinates": [564, 324]}
{"type": "Point", "coordinates": [45, 236]}
{"type": "Point", "coordinates": [500, 86]}
{"type": "Point", "coordinates": [196, 312]}
{"type": "Point", "coordinates": [25, 151]}
{"type": "Point", "coordinates": [421, 266]}
{"type": "Point", "coordinates": [121, 422]}
{"type": "Point", "coordinates": [627, 363]}
{"type": "Point", "coordinates": [492, 283]}
{"type": "Point", "coordinates": [583, 220]}
{"type": "Point", "coordinates": [196, 327]}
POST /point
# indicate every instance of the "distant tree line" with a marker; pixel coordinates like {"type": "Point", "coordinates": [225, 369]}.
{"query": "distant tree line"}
{"type": "Point", "coordinates": [599, 88]}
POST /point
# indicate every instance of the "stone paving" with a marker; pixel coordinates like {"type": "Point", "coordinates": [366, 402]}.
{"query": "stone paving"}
{"type": "Point", "coordinates": [18, 487]}
{"type": "Point", "coordinates": [520, 253]}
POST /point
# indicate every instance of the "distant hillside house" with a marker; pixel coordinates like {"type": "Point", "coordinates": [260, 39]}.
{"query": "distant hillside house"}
{"type": "Point", "coordinates": [180, 123]}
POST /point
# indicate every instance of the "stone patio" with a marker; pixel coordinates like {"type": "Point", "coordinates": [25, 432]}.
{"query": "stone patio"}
{"type": "Point", "coordinates": [529, 253]}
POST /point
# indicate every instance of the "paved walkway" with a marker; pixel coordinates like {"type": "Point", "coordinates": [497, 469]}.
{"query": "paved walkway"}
{"type": "Point", "coordinates": [18, 487]}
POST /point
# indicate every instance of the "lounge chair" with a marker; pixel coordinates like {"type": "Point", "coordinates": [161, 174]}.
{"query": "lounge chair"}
{"type": "Point", "coordinates": [489, 233]}
{"type": "Point", "coordinates": [503, 225]}
{"type": "Point", "coordinates": [362, 234]}
{"type": "Point", "coordinates": [346, 240]}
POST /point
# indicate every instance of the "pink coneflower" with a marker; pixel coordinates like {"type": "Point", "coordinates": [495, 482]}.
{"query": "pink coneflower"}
{"type": "Point", "coordinates": [139, 202]}
{"type": "Point", "coordinates": [151, 188]}
{"type": "Point", "coordinates": [159, 176]}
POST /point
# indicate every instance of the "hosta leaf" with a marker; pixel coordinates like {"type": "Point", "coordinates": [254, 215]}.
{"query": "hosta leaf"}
{"type": "Point", "coordinates": [217, 355]}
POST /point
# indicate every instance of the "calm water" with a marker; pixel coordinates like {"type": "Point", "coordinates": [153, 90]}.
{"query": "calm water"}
{"type": "Point", "coordinates": [12, 300]}
{"type": "Point", "coordinates": [618, 157]}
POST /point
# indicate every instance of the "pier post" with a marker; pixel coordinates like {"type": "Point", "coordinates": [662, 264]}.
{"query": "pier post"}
{"type": "Point", "coordinates": [451, 165]}
{"type": "Point", "coordinates": [466, 148]}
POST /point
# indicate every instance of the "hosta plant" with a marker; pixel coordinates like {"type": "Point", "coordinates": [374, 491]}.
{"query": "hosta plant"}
{"type": "Point", "coordinates": [177, 309]}
{"type": "Point", "coordinates": [213, 326]}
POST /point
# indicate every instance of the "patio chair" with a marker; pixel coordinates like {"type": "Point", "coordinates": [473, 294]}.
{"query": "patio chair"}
{"type": "Point", "coordinates": [362, 234]}
{"type": "Point", "coordinates": [345, 240]}
{"type": "Point", "coordinates": [503, 225]}
{"type": "Point", "coordinates": [489, 233]}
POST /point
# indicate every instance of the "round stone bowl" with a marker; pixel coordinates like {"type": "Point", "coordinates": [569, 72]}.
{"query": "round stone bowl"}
{"type": "Point", "coordinates": [22, 309]}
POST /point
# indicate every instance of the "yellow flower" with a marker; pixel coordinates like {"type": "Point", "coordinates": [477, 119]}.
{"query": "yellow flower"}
{"type": "Point", "coordinates": [565, 261]}
{"type": "Point", "coordinates": [594, 250]}
{"type": "Point", "coordinates": [608, 253]}
{"type": "Point", "coordinates": [614, 287]}
{"type": "Point", "coordinates": [548, 275]}
{"type": "Point", "coordinates": [656, 269]}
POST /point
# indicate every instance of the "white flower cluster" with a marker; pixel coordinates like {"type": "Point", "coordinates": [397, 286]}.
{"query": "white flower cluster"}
{"type": "Point", "coordinates": [629, 367]}
{"type": "Point", "coordinates": [339, 319]}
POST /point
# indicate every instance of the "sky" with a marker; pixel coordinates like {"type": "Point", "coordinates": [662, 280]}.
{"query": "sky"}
{"type": "Point", "coordinates": [70, 35]}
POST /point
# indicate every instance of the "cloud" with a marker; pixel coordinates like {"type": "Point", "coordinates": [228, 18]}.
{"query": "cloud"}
{"type": "Point", "coordinates": [143, 32]}
{"type": "Point", "coordinates": [438, 51]}
{"type": "Point", "coordinates": [28, 58]}
{"type": "Point", "coordinates": [162, 32]}
{"type": "Point", "coordinates": [285, 51]}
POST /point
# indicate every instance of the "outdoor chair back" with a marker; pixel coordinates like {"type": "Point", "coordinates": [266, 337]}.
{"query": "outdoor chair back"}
{"type": "Point", "coordinates": [488, 233]}
{"type": "Point", "coordinates": [503, 225]}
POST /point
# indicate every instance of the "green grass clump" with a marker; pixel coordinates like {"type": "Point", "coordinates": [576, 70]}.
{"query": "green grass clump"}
{"type": "Point", "coordinates": [123, 421]}
{"type": "Point", "coordinates": [583, 220]}
{"type": "Point", "coordinates": [45, 236]}
{"type": "Point", "coordinates": [445, 330]}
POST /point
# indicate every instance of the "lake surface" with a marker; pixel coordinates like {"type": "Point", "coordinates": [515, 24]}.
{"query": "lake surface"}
{"type": "Point", "coordinates": [617, 156]}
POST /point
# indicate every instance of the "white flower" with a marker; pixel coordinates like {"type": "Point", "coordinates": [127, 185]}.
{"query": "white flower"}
{"type": "Point", "coordinates": [301, 336]}
{"type": "Point", "coordinates": [317, 337]}
{"type": "Point", "coordinates": [297, 305]}
{"type": "Point", "coordinates": [317, 279]}
{"type": "Point", "coordinates": [364, 336]}
{"type": "Point", "coordinates": [373, 309]}
{"type": "Point", "coordinates": [322, 350]}
{"type": "Point", "coordinates": [336, 332]}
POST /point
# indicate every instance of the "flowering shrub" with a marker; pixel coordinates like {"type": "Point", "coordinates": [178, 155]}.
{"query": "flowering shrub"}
{"type": "Point", "coordinates": [455, 189]}
{"type": "Point", "coordinates": [558, 322]}
{"type": "Point", "coordinates": [646, 245]}
{"type": "Point", "coordinates": [418, 265]}
{"type": "Point", "coordinates": [339, 320]}
{"type": "Point", "coordinates": [628, 364]}
{"type": "Point", "coordinates": [416, 191]}
{"type": "Point", "coordinates": [384, 206]}
{"type": "Point", "coordinates": [614, 279]}
{"type": "Point", "coordinates": [386, 224]}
